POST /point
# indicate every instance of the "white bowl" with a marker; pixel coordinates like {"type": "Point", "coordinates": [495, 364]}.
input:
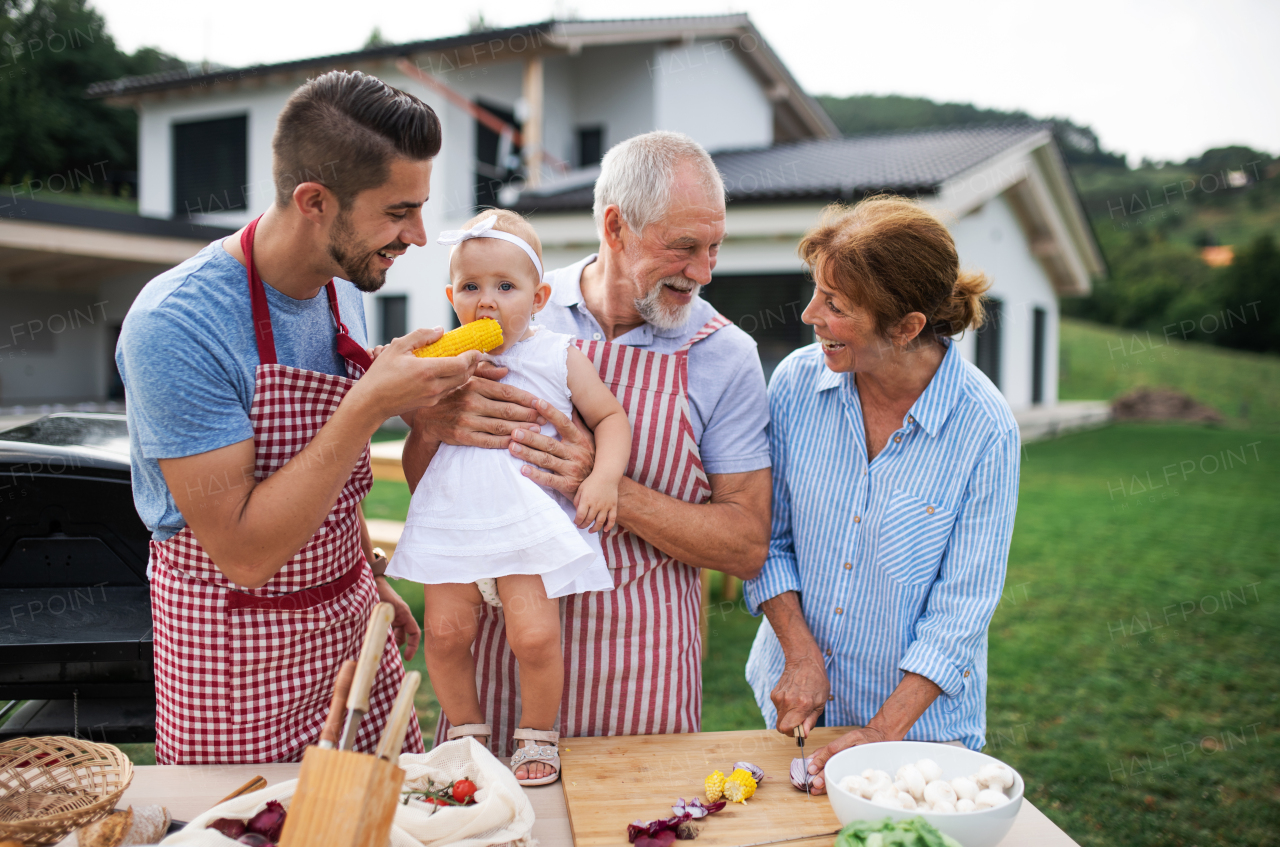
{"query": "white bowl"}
{"type": "Point", "coordinates": [981, 828]}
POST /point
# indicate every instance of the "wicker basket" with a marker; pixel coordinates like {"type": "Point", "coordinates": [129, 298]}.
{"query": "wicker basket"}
{"type": "Point", "coordinates": [52, 785]}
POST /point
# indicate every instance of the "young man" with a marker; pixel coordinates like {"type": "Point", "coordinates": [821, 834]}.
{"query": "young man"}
{"type": "Point", "coordinates": [250, 413]}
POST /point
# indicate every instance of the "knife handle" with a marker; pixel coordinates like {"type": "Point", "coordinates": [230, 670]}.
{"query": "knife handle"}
{"type": "Point", "coordinates": [393, 735]}
{"type": "Point", "coordinates": [375, 640]}
{"type": "Point", "coordinates": [338, 707]}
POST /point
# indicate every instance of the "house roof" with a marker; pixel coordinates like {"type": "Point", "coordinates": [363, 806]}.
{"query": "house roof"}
{"type": "Point", "coordinates": [797, 114]}
{"type": "Point", "coordinates": [58, 246]}
{"type": "Point", "coordinates": [915, 162]}
{"type": "Point", "coordinates": [68, 214]}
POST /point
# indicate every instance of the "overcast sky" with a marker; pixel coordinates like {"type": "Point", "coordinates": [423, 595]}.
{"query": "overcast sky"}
{"type": "Point", "coordinates": [1165, 80]}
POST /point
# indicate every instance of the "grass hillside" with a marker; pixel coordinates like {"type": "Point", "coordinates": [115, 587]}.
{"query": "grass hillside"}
{"type": "Point", "coordinates": [1099, 362]}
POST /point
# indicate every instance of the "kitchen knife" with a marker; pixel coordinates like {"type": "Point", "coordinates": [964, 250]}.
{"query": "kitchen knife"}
{"type": "Point", "coordinates": [398, 722]}
{"type": "Point", "coordinates": [338, 707]}
{"type": "Point", "coordinates": [375, 641]}
{"type": "Point", "coordinates": [799, 734]}
{"type": "Point", "coordinates": [792, 838]}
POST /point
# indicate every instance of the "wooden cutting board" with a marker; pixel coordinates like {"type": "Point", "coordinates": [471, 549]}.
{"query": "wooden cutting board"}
{"type": "Point", "coordinates": [613, 781]}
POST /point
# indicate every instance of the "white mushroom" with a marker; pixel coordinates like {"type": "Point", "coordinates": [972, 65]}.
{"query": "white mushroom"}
{"type": "Point", "coordinates": [940, 791]}
{"type": "Point", "coordinates": [989, 798]}
{"type": "Point", "coordinates": [994, 775]}
{"type": "Point", "coordinates": [887, 797]}
{"type": "Point", "coordinates": [876, 780]}
{"type": "Point", "coordinates": [964, 804]}
{"type": "Point", "coordinates": [965, 788]}
{"type": "Point", "coordinates": [929, 769]}
{"type": "Point", "coordinates": [913, 779]}
{"type": "Point", "coordinates": [943, 806]}
{"type": "Point", "coordinates": [854, 784]}
{"type": "Point", "coordinates": [907, 801]}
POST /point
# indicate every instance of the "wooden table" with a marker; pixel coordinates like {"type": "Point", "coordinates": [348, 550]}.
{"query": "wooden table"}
{"type": "Point", "coordinates": [189, 790]}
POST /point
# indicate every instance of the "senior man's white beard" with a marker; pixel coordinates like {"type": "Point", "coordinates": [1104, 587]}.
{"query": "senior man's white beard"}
{"type": "Point", "coordinates": [657, 313]}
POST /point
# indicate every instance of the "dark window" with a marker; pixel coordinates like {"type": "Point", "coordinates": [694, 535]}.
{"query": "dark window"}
{"type": "Point", "coordinates": [987, 355]}
{"type": "Point", "coordinates": [210, 166]}
{"type": "Point", "coordinates": [1039, 319]}
{"type": "Point", "coordinates": [590, 146]}
{"type": "Point", "coordinates": [393, 317]}
{"type": "Point", "coordinates": [766, 307]}
{"type": "Point", "coordinates": [497, 157]}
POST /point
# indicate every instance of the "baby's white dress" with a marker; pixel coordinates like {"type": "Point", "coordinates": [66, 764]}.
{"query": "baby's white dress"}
{"type": "Point", "coordinates": [475, 516]}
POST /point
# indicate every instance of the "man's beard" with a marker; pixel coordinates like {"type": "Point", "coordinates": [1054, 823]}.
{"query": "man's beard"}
{"type": "Point", "coordinates": [657, 313]}
{"type": "Point", "coordinates": [346, 251]}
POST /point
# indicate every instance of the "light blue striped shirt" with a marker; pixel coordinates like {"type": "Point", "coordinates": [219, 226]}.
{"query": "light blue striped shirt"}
{"type": "Point", "coordinates": [899, 564]}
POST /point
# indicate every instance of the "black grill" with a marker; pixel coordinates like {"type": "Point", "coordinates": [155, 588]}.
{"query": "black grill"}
{"type": "Point", "coordinates": [75, 606]}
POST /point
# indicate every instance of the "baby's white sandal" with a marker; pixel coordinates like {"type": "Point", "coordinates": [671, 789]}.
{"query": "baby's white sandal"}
{"type": "Point", "coordinates": [530, 751]}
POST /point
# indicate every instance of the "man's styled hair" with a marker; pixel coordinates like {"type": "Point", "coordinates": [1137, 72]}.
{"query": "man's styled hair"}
{"type": "Point", "coordinates": [343, 129]}
{"type": "Point", "coordinates": [636, 175]}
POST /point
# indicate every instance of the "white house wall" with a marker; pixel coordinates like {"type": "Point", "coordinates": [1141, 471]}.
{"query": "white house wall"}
{"type": "Point", "coordinates": [155, 148]}
{"type": "Point", "coordinates": [703, 90]}
{"type": "Point", "coordinates": [612, 88]}
{"type": "Point", "coordinates": [58, 345]}
{"type": "Point", "coordinates": [991, 240]}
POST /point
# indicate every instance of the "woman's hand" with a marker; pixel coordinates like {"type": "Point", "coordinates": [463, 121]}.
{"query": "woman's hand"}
{"type": "Point", "coordinates": [914, 694]}
{"type": "Point", "coordinates": [406, 630]}
{"type": "Point", "coordinates": [801, 693]}
{"type": "Point", "coordinates": [852, 738]}
{"type": "Point", "coordinates": [803, 689]}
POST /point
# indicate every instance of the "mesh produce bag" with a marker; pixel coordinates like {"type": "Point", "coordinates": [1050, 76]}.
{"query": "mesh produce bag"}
{"type": "Point", "coordinates": [501, 814]}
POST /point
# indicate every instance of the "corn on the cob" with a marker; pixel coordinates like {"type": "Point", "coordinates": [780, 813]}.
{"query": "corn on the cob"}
{"type": "Point", "coordinates": [483, 335]}
{"type": "Point", "coordinates": [739, 786]}
{"type": "Point", "coordinates": [715, 786]}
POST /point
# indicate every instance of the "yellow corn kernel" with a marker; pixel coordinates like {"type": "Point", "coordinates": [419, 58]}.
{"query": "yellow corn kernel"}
{"type": "Point", "coordinates": [715, 786]}
{"type": "Point", "coordinates": [483, 335]}
{"type": "Point", "coordinates": [739, 786]}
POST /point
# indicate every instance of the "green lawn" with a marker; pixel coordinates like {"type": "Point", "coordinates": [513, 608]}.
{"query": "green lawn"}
{"type": "Point", "coordinates": [1099, 362]}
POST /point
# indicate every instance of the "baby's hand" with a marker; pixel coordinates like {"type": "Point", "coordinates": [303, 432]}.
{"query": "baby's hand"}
{"type": "Point", "coordinates": [597, 503]}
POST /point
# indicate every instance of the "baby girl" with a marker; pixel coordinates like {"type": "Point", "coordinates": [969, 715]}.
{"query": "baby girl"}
{"type": "Point", "coordinates": [480, 531]}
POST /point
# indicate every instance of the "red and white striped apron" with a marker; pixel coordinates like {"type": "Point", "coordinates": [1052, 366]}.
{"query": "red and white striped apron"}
{"type": "Point", "coordinates": [246, 675]}
{"type": "Point", "coordinates": [632, 656]}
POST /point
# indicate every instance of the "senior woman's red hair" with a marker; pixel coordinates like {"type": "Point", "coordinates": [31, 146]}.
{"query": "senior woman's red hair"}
{"type": "Point", "coordinates": [892, 257]}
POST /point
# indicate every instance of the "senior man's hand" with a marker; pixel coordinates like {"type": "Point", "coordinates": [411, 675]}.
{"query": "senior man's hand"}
{"type": "Point", "coordinates": [481, 413]}
{"type": "Point", "coordinates": [563, 464]}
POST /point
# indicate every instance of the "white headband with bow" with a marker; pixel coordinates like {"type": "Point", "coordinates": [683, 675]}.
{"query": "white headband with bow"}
{"type": "Point", "coordinates": [484, 229]}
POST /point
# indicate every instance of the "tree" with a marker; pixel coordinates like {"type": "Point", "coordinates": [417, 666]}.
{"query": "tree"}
{"type": "Point", "coordinates": [1247, 307]}
{"type": "Point", "coordinates": [50, 51]}
{"type": "Point", "coordinates": [866, 113]}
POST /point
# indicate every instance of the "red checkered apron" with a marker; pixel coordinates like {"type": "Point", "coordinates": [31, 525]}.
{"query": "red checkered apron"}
{"type": "Point", "coordinates": [633, 656]}
{"type": "Point", "coordinates": [246, 675]}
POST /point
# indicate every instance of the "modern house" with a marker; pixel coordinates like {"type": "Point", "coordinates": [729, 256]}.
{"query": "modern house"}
{"type": "Point", "coordinates": [68, 275]}
{"type": "Point", "coordinates": [529, 111]}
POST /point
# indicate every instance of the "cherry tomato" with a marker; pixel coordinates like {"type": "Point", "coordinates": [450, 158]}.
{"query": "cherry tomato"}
{"type": "Point", "coordinates": [463, 791]}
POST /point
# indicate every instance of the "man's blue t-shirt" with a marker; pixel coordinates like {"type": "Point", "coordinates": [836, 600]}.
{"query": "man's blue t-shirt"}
{"type": "Point", "coordinates": [187, 355]}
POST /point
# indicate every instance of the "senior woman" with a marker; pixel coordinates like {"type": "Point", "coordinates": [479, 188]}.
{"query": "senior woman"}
{"type": "Point", "coordinates": [895, 481]}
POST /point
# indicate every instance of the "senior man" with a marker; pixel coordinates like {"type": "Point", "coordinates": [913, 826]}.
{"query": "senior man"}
{"type": "Point", "coordinates": [697, 490]}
